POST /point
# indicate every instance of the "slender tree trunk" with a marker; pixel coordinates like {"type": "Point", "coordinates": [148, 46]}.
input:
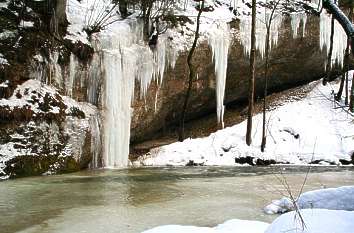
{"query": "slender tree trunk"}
{"type": "Point", "coordinates": [344, 78]}
{"type": "Point", "coordinates": [191, 77]}
{"type": "Point", "coordinates": [344, 21]}
{"type": "Point", "coordinates": [123, 8]}
{"type": "Point", "coordinates": [146, 6]}
{"type": "Point", "coordinates": [268, 25]}
{"type": "Point", "coordinates": [252, 76]}
{"type": "Point", "coordinates": [351, 104]}
{"type": "Point", "coordinates": [347, 54]}
{"type": "Point", "coordinates": [264, 137]}
{"type": "Point", "coordinates": [329, 57]}
{"type": "Point", "coordinates": [341, 87]}
{"type": "Point", "coordinates": [346, 99]}
{"type": "Point", "coordinates": [351, 97]}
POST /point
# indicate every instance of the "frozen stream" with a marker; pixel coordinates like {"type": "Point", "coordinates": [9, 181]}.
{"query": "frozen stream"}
{"type": "Point", "coordinates": [133, 200]}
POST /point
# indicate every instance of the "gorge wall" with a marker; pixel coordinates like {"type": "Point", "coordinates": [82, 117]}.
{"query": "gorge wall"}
{"type": "Point", "coordinates": [53, 88]}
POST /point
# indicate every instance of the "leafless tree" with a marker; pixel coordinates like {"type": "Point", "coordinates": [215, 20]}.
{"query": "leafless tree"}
{"type": "Point", "coordinates": [191, 74]}
{"type": "Point", "coordinates": [251, 82]}
{"type": "Point", "coordinates": [268, 22]}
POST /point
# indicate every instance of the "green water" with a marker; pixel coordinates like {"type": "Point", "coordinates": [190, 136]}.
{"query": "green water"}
{"type": "Point", "coordinates": [133, 200]}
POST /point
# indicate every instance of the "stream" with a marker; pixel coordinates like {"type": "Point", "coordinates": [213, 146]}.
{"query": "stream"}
{"type": "Point", "coordinates": [133, 200]}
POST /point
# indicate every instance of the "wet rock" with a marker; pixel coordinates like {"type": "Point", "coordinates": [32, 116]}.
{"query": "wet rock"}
{"type": "Point", "coordinates": [254, 161]}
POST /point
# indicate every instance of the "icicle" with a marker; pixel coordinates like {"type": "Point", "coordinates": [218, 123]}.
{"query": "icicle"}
{"type": "Point", "coordinates": [219, 40]}
{"type": "Point", "coordinates": [73, 66]}
{"type": "Point", "coordinates": [296, 19]}
{"type": "Point", "coordinates": [339, 39]}
{"type": "Point", "coordinates": [261, 32]}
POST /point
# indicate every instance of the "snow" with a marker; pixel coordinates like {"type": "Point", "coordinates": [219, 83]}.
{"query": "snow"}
{"type": "Point", "coordinates": [316, 119]}
{"type": "Point", "coordinates": [30, 95]}
{"type": "Point", "coordinates": [3, 60]}
{"type": "Point", "coordinates": [341, 198]}
{"type": "Point", "coordinates": [316, 221]}
{"type": "Point", "coordinates": [7, 34]}
{"type": "Point", "coordinates": [24, 94]}
{"type": "Point", "coordinates": [231, 226]}
{"type": "Point", "coordinates": [26, 24]}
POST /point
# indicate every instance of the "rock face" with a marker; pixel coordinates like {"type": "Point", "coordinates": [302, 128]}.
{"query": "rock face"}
{"type": "Point", "coordinates": [292, 62]}
{"type": "Point", "coordinates": [44, 131]}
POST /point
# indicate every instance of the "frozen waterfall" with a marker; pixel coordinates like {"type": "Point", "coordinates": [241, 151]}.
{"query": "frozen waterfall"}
{"type": "Point", "coordinates": [126, 58]}
{"type": "Point", "coordinates": [219, 41]}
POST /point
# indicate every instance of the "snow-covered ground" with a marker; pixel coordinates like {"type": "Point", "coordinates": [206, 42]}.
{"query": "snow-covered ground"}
{"type": "Point", "coordinates": [335, 218]}
{"type": "Point", "coordinates": [314, 129]}
{"type": "Point", "coordinates": [315, 221]}
{"type": "Point", "coordinates": [332, 198]}
{"type": "Point", "coordinates": [231, 226]}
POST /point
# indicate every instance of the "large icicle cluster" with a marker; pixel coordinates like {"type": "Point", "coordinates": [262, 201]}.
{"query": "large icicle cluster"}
{"type": "Point", "coordinates": [122, 57]}
{"type": "Point", "coordinates": [261, 32]}
{"type": "Point", "coordinates": [126, 58]}
{"type": "Point", "coordinates": [219, 40]}
{"type": "Point", "coordinates": [339, 39]}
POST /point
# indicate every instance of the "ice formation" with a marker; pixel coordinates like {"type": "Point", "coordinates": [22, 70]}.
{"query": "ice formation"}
{"type": "Point", "coordinates": [125, 58]}
{"type": "Point", "coordinates": [219, 40]}
{"type": "Point", "coordinates": [296, 19]}
{"type": "Point", "coordinates": [261, 32]}
{"type": "Point", "coordinates": [96, 142]}
{"type": "Point", "coordinates": [71, 77]}
{"type": "Point", "coordinates": [339, 39]}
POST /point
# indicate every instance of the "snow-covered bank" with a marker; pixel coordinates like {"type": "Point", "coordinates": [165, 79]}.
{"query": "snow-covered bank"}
{"type": "Point", "coordinates": [332, 198]}
{"type": "Point", "coordinates": [328, 211]}
{"type": "Point", "coordinates": [312, 130]}
{"type": "Point", "coordinates": [231, 226]}
{"type": "Point", "coordinates": [315, 220]}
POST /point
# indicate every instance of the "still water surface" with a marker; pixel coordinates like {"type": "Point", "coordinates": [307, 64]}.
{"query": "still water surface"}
{"type": "Point", "coordinates": [133, 200]}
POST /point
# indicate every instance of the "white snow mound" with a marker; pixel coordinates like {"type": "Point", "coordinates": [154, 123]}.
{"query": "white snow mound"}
{"type": "Point", "coordinates": [341, 198]}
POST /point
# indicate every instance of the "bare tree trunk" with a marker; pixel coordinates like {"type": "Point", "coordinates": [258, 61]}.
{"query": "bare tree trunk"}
{"type": "Point", "coordinates": [264, 138]}
{"type": "Point", "coordinates": [252, 76]}
{"type": "Point", "coordinates": [344, 78]}
{"type": "Point", "coordinates": [351, 104]}
{"type": "Point", "coordinates": [347, 54]}
{"type": "Point", "coordinates": [146, 6]}
{"type": "Point", "coordinates": [329, 57]}
{"type": "Point", "coordinates": [123, 8]}
{"type": "Point", "coordinates": [191, 75]}
{"type": "Point", "coordinates": [341, 18]}
{"type": "Point", "coordinates": [346, 99]}
{"type": "Point", "coordinates": [60, 10]}
{"type": "Point", "coordinates": [341, 87]}
{"type": "Point", "coordinates": [268, 25]}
